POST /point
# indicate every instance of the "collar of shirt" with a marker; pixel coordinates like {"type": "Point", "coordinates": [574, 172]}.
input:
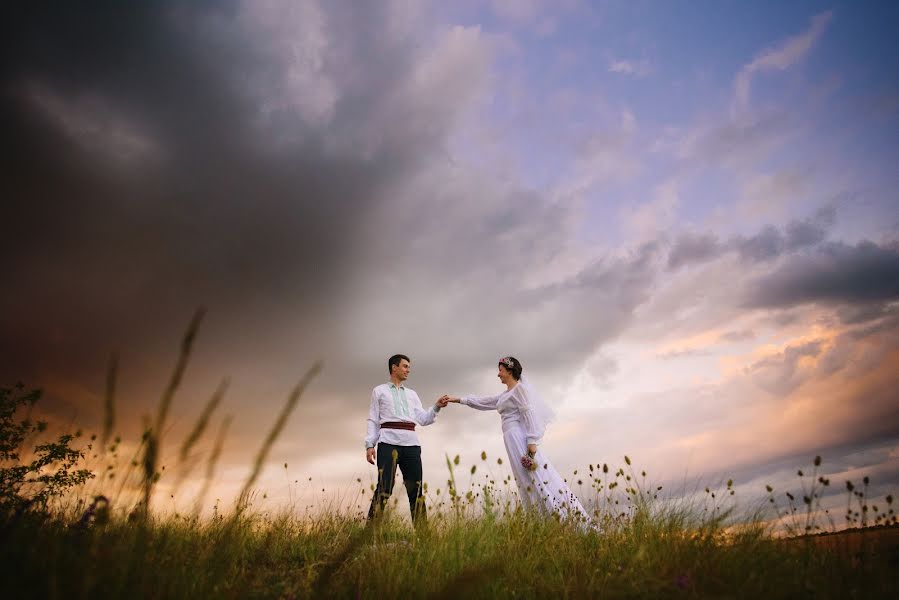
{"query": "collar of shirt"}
{"type": "Point", "coordinates": [400, 403]}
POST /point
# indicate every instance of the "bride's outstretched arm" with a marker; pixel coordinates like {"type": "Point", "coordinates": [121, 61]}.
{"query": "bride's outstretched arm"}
{"type": "Point", "coordinates": [479, 402]}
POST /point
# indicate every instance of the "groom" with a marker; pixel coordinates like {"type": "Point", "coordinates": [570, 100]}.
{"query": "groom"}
{"type": "Point", "coordinates": [394, 412]}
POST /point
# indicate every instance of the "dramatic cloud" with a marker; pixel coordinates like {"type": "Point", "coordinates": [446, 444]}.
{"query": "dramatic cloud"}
{"type": "Point", "coordinates": [822, 396]}
{"type": "Point", "coordinates": [690, 248]}
{"type": "Point", "coordinates": [345, 181]}
{"type": "Point", "coordinates": [833, 273]}
{"type": "Point", "coordinates": [174, 155]}
{"type": "Point", "coordinates": [769, 243]}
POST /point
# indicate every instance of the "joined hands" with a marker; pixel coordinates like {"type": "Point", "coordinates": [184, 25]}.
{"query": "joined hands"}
{"type": "Point", "coordinates": [445, 399]}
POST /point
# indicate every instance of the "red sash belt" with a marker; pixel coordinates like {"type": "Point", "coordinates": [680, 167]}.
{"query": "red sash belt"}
{"type": "Point", "coordinates": [398, 425]}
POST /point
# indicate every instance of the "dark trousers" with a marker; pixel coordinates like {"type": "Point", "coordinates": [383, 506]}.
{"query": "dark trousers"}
{"type": "Point", "coordinates": [408, 459]}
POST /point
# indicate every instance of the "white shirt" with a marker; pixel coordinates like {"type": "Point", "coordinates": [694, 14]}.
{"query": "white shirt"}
{"type": "Point", "coordinates": [389, 403]}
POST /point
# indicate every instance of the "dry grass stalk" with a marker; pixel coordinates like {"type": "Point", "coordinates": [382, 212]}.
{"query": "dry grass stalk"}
{"type": "Point", "coordinates": [109, 400]}
{"type": "Point", "coordinates": [276, 431]}
{"type": "Point", "coordinates": [212, 462]}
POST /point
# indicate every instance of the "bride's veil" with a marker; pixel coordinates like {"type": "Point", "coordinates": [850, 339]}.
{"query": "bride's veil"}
{"type": "Point", "coordinates": [542, 412]}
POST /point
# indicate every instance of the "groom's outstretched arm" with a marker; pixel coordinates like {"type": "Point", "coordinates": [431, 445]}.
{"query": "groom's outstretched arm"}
{"type": "Point", "coordinates": [419, 414]}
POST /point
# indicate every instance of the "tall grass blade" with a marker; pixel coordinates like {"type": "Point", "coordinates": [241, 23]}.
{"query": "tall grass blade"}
{"type": "Point", "coordinates": [180, 366]}
{"type": "Point", "coordinates": [276, 430]}
{"type": "Point", "coordinates": [153, 434]}
{"type": "Point", "coordinates": [196, 433]}
{"type": "Point", "coordinates": [203, 421]}
{"type": "Point", "coordinates": [212, 462]}
{"type": "Point", "coordinates": [109, 400]}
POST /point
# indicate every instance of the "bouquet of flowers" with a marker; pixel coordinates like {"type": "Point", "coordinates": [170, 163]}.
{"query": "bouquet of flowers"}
{"type": "Point", "coordinates": [527, 461]}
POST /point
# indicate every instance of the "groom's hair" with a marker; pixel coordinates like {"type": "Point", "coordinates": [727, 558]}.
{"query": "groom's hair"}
{"type": "Point", "coordinates": [395, 361]}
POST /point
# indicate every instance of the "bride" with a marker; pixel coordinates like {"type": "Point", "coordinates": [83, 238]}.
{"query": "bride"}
{"type": "Point", "coordinates": [524, 417]}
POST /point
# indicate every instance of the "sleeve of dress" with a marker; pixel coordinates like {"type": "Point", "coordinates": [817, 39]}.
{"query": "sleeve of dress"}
{"type": "Point", "coordinates": [534, 427]}
{"type": "Point", "coordinates": [419, 414]}
{"type": "Point", "coordinates": [374, 421]}
{"type": "Point", "coordinates": [481, 403]}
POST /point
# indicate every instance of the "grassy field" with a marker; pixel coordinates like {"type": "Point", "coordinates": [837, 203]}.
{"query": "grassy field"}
{"type": "Point", "coordinates": [668, 554]}
{"type": "Point", "coordinates": [103, 539]}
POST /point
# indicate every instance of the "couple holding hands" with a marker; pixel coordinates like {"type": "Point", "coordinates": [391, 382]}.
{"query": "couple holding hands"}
{"type": "Point", "coordinates": [391, 441]}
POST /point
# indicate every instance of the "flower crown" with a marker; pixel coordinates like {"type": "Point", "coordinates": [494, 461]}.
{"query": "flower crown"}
{"type": "Point", "coordinates": [507, 362]}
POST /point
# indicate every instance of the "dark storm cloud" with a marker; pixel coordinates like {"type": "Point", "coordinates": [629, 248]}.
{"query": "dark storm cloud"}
{"type": "Point", "coordinates": [802, 234]}
{"type": "Point", "coordinates": [771, 242]}
{"type": "Point", "coordinates": [158, 156]}
{"type": "Point", "coordinates": [765, 245]}
{"type": "Point", "coordinates": [768, 244]}
{"type": "Point", "coordinates": [471, 292]}
{"type": "Point", "coordinates": [851, 314]}
{"type": "Point", "coordinates": [692, 248]}
{"type": "Point", "coordinates": [834, 273]}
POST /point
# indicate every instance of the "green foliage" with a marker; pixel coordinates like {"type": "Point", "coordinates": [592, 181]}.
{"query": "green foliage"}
{"type": "Point", "coordinates": [47, 472]}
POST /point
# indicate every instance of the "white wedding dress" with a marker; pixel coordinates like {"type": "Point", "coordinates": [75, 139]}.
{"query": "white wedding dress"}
{"type": "Point", "coordinates": [524, 419]}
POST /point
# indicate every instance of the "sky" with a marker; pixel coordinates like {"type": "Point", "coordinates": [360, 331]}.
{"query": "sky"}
{"type": "Point", "coordinates": [682, 218]}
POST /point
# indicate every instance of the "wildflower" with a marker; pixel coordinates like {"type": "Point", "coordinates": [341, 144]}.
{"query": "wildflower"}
{"type": "Point", "coordinates": [473, 469]}
{"type": "Point", "coordinates": [817, 461]}
{"type": "Point", "coordinates": [456, 460]}
{"type": "Point", "coordinates": [627, 459]}
{"type": "Point", "coordinates": [499, 461]}
{"type": "Point", "coordinates": [483, 455]}
{"type": "Point", "coordinates": [769, 488]}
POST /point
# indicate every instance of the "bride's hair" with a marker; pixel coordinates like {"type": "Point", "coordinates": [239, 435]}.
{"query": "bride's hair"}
{"type": "Point", "coordinates": [512, 365]}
